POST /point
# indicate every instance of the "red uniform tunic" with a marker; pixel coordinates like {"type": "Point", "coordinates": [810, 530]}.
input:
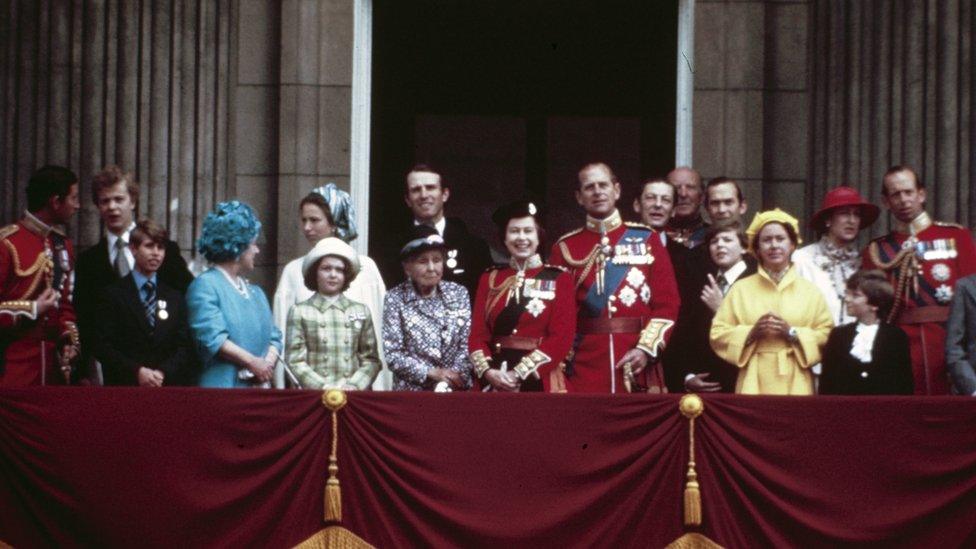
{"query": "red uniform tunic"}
{"type": "Point", "coordinates": [34, 257]}
{"type": "Point", "coordinates": [923, 269]}
{"type": "Point", "coordinates": [637, 311]}
{"type": "Point", "coordinates": [542, 299]}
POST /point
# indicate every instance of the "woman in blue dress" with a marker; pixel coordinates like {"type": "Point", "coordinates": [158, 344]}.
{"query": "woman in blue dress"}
{"type": "Point", "coordinates": [230, 318]}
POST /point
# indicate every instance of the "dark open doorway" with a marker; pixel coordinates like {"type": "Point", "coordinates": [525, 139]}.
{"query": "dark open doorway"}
{"type": "Point", "coordinates": [511, 97]}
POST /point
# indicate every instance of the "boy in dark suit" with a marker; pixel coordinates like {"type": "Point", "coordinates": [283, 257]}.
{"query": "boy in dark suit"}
{"type": "Point", "coordinates": [141, 335]}
{"type": "Point", "coordinates": [115, 193]}
{"type": "Point", "coordinates": [870, 356]}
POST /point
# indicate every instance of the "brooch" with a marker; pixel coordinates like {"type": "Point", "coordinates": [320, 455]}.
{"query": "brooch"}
{"type": "Point", "coordinates": [535, 307]}
{"type": "Point", "coordinates": [941, 272]}
{"type": "Point", "coordinates": [635, 277]}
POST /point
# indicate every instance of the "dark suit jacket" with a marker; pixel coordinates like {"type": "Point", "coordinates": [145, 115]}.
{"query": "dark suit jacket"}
{"type": "Point", "coordinates": [693, 334]}
{"type": "Point", "coordinates": [123, 340]}
{"type": "Point", "coordinates": [470, 255]}
{"type": "Point", "coordinates": [93, 272]}
{"type": "Point", "coordinates": [888, 373]}
{"type": "Point", "coordinates": [961, 337]}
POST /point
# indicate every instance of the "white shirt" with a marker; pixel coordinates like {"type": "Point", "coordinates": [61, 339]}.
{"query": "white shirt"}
{"type": "Point", "coordinates": [439, 225]}
{"type": "Point", "coordinates": [864, 341]}
{"type": "Point", "coordinates": [113, 238]}
{"type": "Point", "coordinates": [733, 273]}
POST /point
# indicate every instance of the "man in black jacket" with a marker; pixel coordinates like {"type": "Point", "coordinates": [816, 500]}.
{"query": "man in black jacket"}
{"type": "Point", "coordinates": [467, 255]}
{"type": "Point", "coordinates": [142, 337]}
{"type": "Point", "coordinates": [116, 194]}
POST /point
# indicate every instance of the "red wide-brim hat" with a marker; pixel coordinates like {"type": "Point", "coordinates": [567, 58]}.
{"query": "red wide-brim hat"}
{"type": "Point", "coordinates": [844, 196]}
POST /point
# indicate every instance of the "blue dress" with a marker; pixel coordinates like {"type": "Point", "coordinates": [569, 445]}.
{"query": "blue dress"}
{"type": "Point", "coordinates": [218, 312]}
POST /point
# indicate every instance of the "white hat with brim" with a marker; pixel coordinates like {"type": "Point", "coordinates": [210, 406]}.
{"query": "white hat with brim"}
{"type": "Point", "coordinates": [332, 246]}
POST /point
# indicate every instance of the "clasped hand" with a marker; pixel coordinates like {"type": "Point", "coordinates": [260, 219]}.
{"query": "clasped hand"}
{"type": "Point", "coordinates": [770, 325]}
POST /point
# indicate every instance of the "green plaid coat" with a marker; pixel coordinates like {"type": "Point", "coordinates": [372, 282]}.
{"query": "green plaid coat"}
{"type": "Point", "coordinates": [331, 345]}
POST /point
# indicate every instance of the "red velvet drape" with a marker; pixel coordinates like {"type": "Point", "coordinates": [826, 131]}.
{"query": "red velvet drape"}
{"type": "Point", "coordinates": [198, 467]}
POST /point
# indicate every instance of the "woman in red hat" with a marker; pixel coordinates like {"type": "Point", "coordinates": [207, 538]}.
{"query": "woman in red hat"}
{"type": "Point", "coordinates": [830, 261]}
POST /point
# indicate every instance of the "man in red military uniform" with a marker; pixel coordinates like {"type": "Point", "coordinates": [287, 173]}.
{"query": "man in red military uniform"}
{"type": "Point", "coordinates": [38, 337]}
{"type": "Point", "coordinates": [627, 299]}
{"type": "Point", "coordinates": [923, 259]}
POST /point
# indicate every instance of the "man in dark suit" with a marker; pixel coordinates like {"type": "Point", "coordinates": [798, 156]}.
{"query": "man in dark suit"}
{"type": "Point", "coordinates": [961, 338]}
{"type": "Point", "coordinates": [726, 244]}
{"type": "Point", "coordinates": [116, 194]}
{"type": "Point", "coordinates": [467, 255]}
{"type": "Point", "coordinates": [142, 337]}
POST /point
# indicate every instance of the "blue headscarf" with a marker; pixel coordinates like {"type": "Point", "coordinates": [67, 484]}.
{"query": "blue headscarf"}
{"type": "Point", "coordinates": [228, 231]}
{"type": "Point", "coordinates": [340, 205]}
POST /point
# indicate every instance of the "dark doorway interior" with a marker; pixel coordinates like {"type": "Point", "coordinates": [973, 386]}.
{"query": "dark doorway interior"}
{"type": "Point", "coordinates": [509, 98]}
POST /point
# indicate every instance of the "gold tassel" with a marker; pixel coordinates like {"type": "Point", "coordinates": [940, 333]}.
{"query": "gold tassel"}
{"type": "Point", "coordinates": [333, 399]}
{"type": "Point", "coordinates": [691, 406]}
{"type": "Point", "coordinates": [693, 514]}
{"type": "Point", "coordinates": [333, 501]}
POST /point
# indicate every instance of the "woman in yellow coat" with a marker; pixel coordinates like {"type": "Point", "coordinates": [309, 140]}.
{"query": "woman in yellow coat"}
{"type": "Point", "coordinates": [773, 324]}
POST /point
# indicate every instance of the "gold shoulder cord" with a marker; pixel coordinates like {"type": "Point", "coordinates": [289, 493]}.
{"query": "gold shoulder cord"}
{"type": "Point", "coordinates": [496, 292]}
{"type": "Point", "coordinates": [586, 263]}
{"type": "Point", "coordinates": [907, 263]}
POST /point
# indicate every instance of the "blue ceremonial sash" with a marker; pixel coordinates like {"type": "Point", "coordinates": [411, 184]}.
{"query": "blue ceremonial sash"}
{"type": "Point", "coordinates": [614, 274]}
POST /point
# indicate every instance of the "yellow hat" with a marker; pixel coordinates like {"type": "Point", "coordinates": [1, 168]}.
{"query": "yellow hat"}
{"type": "Point", "coordinates": [775, 215]}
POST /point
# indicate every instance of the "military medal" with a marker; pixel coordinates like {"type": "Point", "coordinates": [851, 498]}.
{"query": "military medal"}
{"type": "Point", "coordinates": [535, 307]}
{"type": "Point", "coordinates": [635, 277]}
{"type": "Point", "coordinates": [541, 289]}
{"type": "Point", "coordinates": [645, 293]}
{"type": "Point", "coordinates": [161, 310]}
{"type": "Point", "coordinates": [943, 293]}
{"type": "Point", "coordinates": [627, 296]}
{"type": "Point", "coordinates": [452, 259]}
{"type": "Point", "coordinates": [941, 272]}
{"type": "Point", "coordinates": [632, 251]}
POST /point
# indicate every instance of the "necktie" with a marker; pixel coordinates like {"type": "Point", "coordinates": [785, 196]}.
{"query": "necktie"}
{"type": "Point", "coordinates": [121, 264]}
{"type": "Point", "coordinates": [149, 302]}
{"type": "Point", "coordinates": [723, 284]}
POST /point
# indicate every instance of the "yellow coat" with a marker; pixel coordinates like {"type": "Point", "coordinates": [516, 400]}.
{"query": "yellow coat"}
{"type": "Point", "coordinates": [772, 365]}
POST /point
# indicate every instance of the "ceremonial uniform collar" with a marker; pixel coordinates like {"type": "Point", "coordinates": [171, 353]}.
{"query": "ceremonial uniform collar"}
{"type": "Point", "coordinates": [38, 227]}
{"type": "Point", "coordinates": [917, 225]}
{"type": "Point", "coordinates": [530, 263]}
{"type": "Point", "coordinates": [610, 223]}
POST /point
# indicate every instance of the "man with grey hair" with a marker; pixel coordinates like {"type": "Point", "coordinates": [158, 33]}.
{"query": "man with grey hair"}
{"type": "Point", "coordinates": [687, 225]}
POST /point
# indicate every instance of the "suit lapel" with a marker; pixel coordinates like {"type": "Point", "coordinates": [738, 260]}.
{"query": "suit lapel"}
{"type": "Point", "coordinates": [104, 260]}
{"type": "Point", "coordinates": [134, 300]}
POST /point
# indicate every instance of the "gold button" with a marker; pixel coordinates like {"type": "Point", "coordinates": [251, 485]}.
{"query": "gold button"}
{"type": "Point", "coordinates": [515, 331]}
{"type": "Point", "coordinates": [613, 309]}
{"type": "Point", "coordinates": [612, 298]}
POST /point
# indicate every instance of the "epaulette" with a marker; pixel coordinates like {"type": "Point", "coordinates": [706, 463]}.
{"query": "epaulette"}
{"type": "Point", "coordinates": [569, 234]}
{"type": "Point", "coordinates": [9, 230]}
{"type": "Point", "coordinates": [948, 224]}
{"type": "Point", "coordinates": [636, 225]}
{"type": "Point", "coordinates": [556, 267]}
